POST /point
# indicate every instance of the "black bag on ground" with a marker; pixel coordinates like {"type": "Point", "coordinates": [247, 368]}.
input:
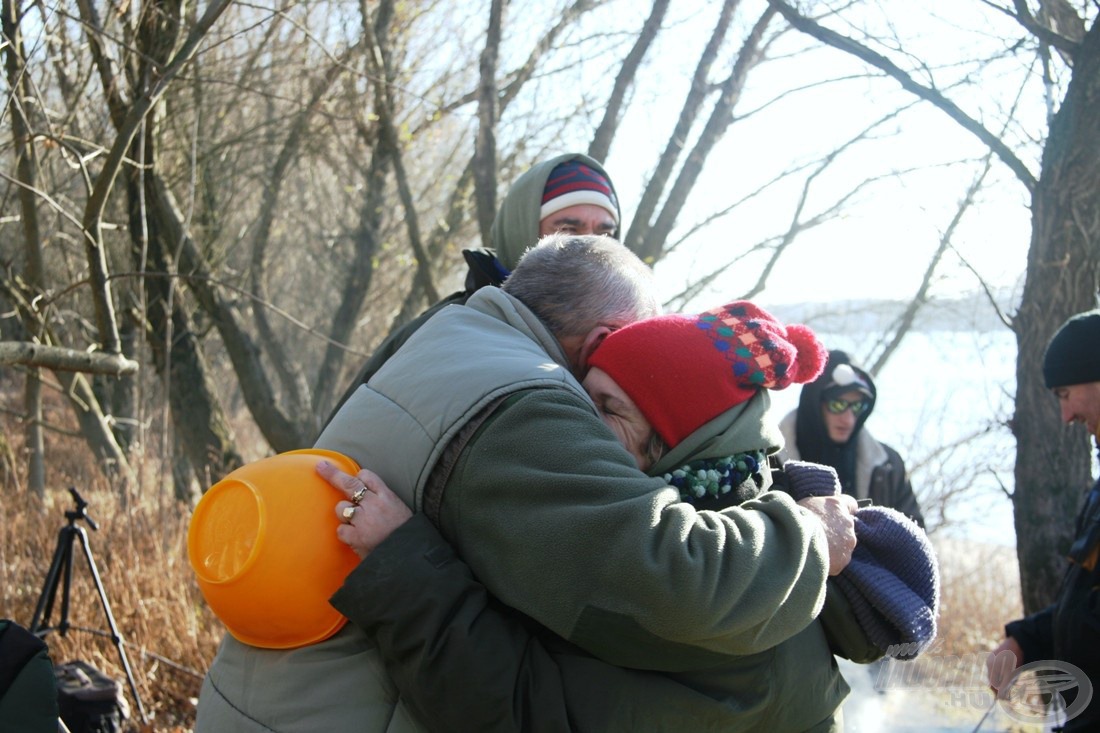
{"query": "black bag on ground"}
{"type": "Point", "coordinates": [90, 701]}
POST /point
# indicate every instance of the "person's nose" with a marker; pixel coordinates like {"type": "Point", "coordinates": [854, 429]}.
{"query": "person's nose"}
{"type": "Point", "coordinates": [1067, 413]}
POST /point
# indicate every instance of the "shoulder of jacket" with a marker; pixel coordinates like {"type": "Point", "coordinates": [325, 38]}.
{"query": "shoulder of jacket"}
{"type": "Point", "coordinates": [869, 449]}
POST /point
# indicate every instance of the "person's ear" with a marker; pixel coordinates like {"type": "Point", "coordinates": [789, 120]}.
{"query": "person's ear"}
{"type": "Point", "coordinates": [591, 342]}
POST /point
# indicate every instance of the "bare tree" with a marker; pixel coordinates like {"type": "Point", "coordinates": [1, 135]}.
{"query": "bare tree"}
{"type": "Point", "coordinates": [15, 68]}
{"type": "Point", "coordinates": [650, 246]}
{"type": "Point", "coordinates": [1063, 277]}
{"type": "Point", "coordinates": [254, 203]}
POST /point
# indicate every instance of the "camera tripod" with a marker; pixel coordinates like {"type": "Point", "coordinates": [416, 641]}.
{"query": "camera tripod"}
{"type": "Point", "coordinates": [61, 573]}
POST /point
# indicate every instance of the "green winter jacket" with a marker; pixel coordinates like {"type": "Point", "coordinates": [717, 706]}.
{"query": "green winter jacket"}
{"type": "Point", "coordinates": [552, 515]}
{"type": "Point", "coordinates": [464, 661]}
{"type": "Point", "coordinates": [608, 589]}
{"type": "Point", "coordinates": [545, 467]}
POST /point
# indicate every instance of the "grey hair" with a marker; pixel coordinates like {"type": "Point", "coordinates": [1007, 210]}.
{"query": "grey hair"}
{"type": "Point", "coordinates": [576, 283]}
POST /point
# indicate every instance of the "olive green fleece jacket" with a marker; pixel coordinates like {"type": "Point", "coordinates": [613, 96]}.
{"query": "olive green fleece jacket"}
{"type": "Point", "coordinates": [515, 228]}
{"type": "Point", "coordinates": [464, 661]}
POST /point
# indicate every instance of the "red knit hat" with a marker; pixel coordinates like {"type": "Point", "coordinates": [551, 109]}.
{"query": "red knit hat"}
{"type": "Point", "coordinates": [683, 371]}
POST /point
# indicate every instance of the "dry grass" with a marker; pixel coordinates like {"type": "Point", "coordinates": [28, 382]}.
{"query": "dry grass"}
{"type": "Point", "coordinates": [980, 593]}
{"type": "Point", "coordinates": [170, 636]}
{"type": "Point", "coordinates": [140, 552]}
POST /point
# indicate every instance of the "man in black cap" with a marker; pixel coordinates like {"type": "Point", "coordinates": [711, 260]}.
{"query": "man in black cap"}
{"type": "Point", "coordinates": [1069, 630]}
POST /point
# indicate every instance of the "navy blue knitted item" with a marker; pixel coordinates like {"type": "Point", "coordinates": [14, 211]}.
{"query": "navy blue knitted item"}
{"type": "Point", "coordinates": [806, 479]}
{"type": "Point", "coordinates": [893, 582]}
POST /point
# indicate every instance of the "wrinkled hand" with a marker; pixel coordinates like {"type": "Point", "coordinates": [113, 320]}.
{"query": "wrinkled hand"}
{"type": "Point", "coordinates": [837, 517]}
{"type": "Point", "coordinates": [377, 514]}
{"type": "Point", "coordinates": [1002, 663]}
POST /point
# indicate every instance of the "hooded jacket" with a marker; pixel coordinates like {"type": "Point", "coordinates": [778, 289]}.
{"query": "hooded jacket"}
{"type": "Point", "coordinates": [515, 228]}
{"type": "Point", "coordinates": [867, 467]}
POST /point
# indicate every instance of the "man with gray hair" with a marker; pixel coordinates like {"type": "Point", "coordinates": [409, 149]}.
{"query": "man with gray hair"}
{"type": "Point", "coordinates": [480, 424]}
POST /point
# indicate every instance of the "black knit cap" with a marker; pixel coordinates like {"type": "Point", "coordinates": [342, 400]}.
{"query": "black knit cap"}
{"type": "Point", "coordinates": [1073, 355]}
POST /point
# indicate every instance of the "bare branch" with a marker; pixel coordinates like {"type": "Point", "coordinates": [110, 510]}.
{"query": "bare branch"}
{"type": "Point", "coordinates": [854, 48]}
{"type": "Point", "coordinates": [379, 61]}
{"type": "Point", "coordinates": [909, 315]}
{"type": "Point", "coordinates": [720, 119]}
{"type": "Point", "coordinates": [294, 384]}
{"type": "Point", "coordinates": [59, 358]}
{"type": "Point", "coordinates": [485, 148]}
{"type": "Point", "coordinates": [97, 202]}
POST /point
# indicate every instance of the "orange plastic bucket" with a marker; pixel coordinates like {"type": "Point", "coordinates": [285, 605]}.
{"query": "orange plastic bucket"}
{"type": "Point", "coordinates": [262, 542]}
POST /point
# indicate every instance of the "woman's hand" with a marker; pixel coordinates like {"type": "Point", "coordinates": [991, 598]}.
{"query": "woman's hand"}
{"type": "Point", "coordinates": [370, 513]}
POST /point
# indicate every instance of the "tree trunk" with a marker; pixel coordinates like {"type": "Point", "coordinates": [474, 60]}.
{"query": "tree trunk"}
{"type": "Point", "coordinates": [646, 212]}
{"type": "Point", "coordinates": [650, 247]}
{"type": "Point", "coordinates": [1053, 461]}
{"type": "Point", "coordinates": [14, 65]}
{"type": "Point", "coordinates": [605, 132]}
{"type": "Point", "coordinates": [281, 432]}
{"type": "Point", "coordinates": [196, 413]}
{"type": "Point", "coordinates": [353, 293]}
{"type": "Point", "coordinates": [485, 151]}
{"type": "Point", "coordinates": [177, 355]}
{"type": "Point", "coordinates": [95, 428]}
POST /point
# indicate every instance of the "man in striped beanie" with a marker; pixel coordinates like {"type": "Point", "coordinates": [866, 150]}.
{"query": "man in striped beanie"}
{"type": "Point", "coordinates": [578, 199]}
{"type": "Point", "coordinates": [569, 193]}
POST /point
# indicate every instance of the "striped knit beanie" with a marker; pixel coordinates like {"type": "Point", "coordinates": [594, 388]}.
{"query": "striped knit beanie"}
{"type": "Point", "coordinates": [573, 183]}
{"type": "Point", "coordinates": [683, 371]}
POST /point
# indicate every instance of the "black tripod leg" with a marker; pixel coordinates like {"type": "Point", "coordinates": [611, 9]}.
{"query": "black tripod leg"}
{"type": "Point", "coordinates": [115, 636]}
{"type": "Point", "coordinates": [62, 561]}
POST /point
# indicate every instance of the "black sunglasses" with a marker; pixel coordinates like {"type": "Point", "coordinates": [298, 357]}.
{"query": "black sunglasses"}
{"type": "Point", "coordinates": [838, 406]}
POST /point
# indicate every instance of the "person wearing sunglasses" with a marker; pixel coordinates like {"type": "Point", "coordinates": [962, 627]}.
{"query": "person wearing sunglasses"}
{"type": "Point", "coordinates": [829, 427]}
